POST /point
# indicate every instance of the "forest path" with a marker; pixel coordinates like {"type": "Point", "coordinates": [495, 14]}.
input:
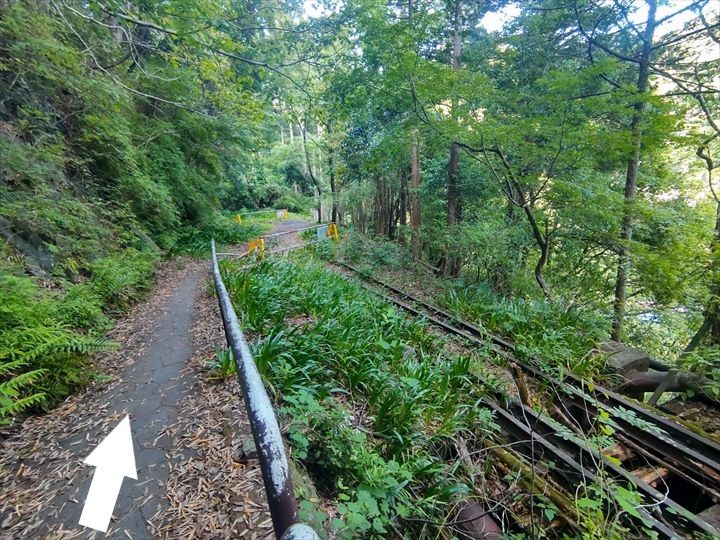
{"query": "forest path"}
{"type": "Point", "coordinates": [288, 226]}
{"type": "Point", "coordinates": [282, 241]}
{"type": "Point", "coordinates": [45, 457]}
{"type": "Point", "coordinates": [196, 474]}
{"type": "Point", "coordinates": [188, 432]}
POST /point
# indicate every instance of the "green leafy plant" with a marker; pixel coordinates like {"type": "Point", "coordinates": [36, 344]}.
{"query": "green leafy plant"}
{"type": "Point", "coordinates": [559, 337]}
{"type": "Point", "coordinates": [368, 395]}
{"type": "Point", "coordinates": [222, 364]}
{"type": "Point", "coordinates": [41, 358]}
{"type": "Point", "coordinates": [14, 380]}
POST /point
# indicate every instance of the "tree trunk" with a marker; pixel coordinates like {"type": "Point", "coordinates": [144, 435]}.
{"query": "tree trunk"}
{"type": "Point", "coordinates": [415, 219]}
{"type": "Point", "coordinates": [542, 241]}
{"type": "Point", "coordinates": [394, 213]}
{"type": "Point", "coordinates": [648, 381]}
{"type": "Point", "coordinates": [453, 262]}
{"type": "Point", "coordinates": [626, 230]}
{"type": "Point", "coordinates": [359, 216]}
{"type": "Point", "coordinates": [711, 316]}
{"type": "Point", "coordinates": [336, 216]}
{"type": "Point", "coordinates": [379, 207]}
{"type": "Point", "coordinates": [303, 132]}
{"type": "Point", "coordinates": [334, 188]}
{"type": "Point", "coordinates": [414, 175]}
{"type": "Point", "coordinates": [402, 211]}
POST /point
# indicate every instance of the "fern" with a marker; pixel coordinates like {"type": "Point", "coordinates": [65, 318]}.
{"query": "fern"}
{"type": "Point", "coordinates": [11, 401]}
{"type": "Point", "coordinates": [13, 386]}
{"type": "Point", "coordinates": [41, 358]}
{"type": "Point", "coordinates": [7, 368]}
{"type": "Point", "coordinates": [10, 407]}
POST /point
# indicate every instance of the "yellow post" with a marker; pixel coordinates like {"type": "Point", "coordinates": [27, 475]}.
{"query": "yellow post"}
{"type": "Point", "coordinates": [333, 232]}
{"type": "Point", "coordinates": [257, 245]}
{"type": "Point", "coordinates": [238, 218]}
{"type": "Point", "coordinates": [285, 214]}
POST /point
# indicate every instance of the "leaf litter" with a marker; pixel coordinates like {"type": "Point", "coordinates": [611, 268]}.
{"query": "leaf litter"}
{"type": "Point", "coordinates": [209, 492]}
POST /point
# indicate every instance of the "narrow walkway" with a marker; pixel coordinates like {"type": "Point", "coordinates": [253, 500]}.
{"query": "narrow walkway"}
{"type": "Point", "coordinates": [44, 459]}
{"type": "Point", "coordinates": [283, 241]}
{"type": "Point", "coordinates": [158, 370]}
{"type": "Point", "coordinates": [196, 474]}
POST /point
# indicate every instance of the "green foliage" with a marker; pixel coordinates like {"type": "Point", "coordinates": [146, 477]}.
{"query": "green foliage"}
{"type": "Point", "coordinates": [120, 280]}
{"type": "Point", "coordinates": [15, 377]}
{"type": "Point", "coordinates": [358, 248]}
{"type": "Point", "coordinates": [195, 240]}
{"type": "Point", "coordinates": [561, 337]}
{"type": "Point", "coordinates": [370, 396]}
{"type": "Point", "coordinates": [266, 188]}
{"type": "Point", "coordinates": [592, 504]}
{"type": "Point", "coordinates": [705, 361]}
{"type": "Point", "coordinates": [107, 157]}
{"type": "Point", "coordinates": [222, 365]}
{"type": "Point", "coordinates": [41, 358]}
{"type": "Point", "coordinates": [337, 452]}
{"type": "Point", "coordinates": [82, 308]}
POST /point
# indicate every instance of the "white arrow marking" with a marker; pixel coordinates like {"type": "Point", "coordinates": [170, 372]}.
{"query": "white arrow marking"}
{"type": "Point", "coordinates": [114, 458]}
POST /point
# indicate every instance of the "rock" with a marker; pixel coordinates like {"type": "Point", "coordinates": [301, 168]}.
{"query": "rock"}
{"type": "Point", "coordinates": [39, 259]}
{"type": "Point", "coordinates": [247, 449]}
{"type": "Point", "coordinates": [711, 515]}
{"type": "Point", "coordinates": [624, 360]}
{"type": "Point", "coordinates": [146, 239]}
{"type": "Point", "coordinates": [483, 527]}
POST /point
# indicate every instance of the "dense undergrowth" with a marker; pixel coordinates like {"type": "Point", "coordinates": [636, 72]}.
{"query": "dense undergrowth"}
{"type": "Point", "coordinates": [372, 398]}
{"type": "Point", "coordinates": [561, 336]}
{"type": "Point", "coordinates": [377, 408]}
{"type": "Point", "coordinates": [51, 325]}
{"type": "Point", "coordinates": [48, 335]}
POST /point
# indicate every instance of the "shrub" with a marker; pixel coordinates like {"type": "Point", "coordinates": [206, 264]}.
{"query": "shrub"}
{"type": "Point", "coordinates": [122, 279]}
{"type": "Point", "coordinates": [195, 240]}
{"type": "Point", "coordinates": [561, 337]}
{"type": "Point", "coordinates": [223, 364]}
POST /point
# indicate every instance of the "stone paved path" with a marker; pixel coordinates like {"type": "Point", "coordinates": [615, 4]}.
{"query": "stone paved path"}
{"type": "Point", "coordinates": [153, 388]}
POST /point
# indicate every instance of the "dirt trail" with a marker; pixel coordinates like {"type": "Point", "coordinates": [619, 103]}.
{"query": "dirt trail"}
{"type": "Point", "coordinates": [185, 427]}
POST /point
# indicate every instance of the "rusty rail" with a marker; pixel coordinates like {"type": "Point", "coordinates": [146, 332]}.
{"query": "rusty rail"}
{"type": "Point", "coordinates": [265, 429]}
{"type": "Point", "coordinates": [688, 455]}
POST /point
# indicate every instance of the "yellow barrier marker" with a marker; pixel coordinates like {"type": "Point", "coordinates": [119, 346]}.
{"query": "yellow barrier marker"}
{"type": "Point", "coordinates": [285, 214]}
{"type": "Point", "coordinates": [257, 245]}
{"type": "Point", "coordinates": [238, 218]}
{"type": "Point", "coordinates": [333, 232]}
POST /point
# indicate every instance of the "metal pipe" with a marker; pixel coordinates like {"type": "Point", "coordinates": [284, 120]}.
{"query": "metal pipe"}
{"type": "Point", "coordinates": [264, 424]}
{"type": "Point", "coordinates": [295, 230]}
{"type": "Point", "coordinates": [261, 211]}
{"type": "Point", "coordinates": [297, 246]}
{"type": "Point", "coordinates": [224, 254]}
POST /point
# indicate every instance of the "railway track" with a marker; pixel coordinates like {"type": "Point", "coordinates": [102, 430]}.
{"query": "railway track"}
{"type": "Point", "coordinates": [675, 470]}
